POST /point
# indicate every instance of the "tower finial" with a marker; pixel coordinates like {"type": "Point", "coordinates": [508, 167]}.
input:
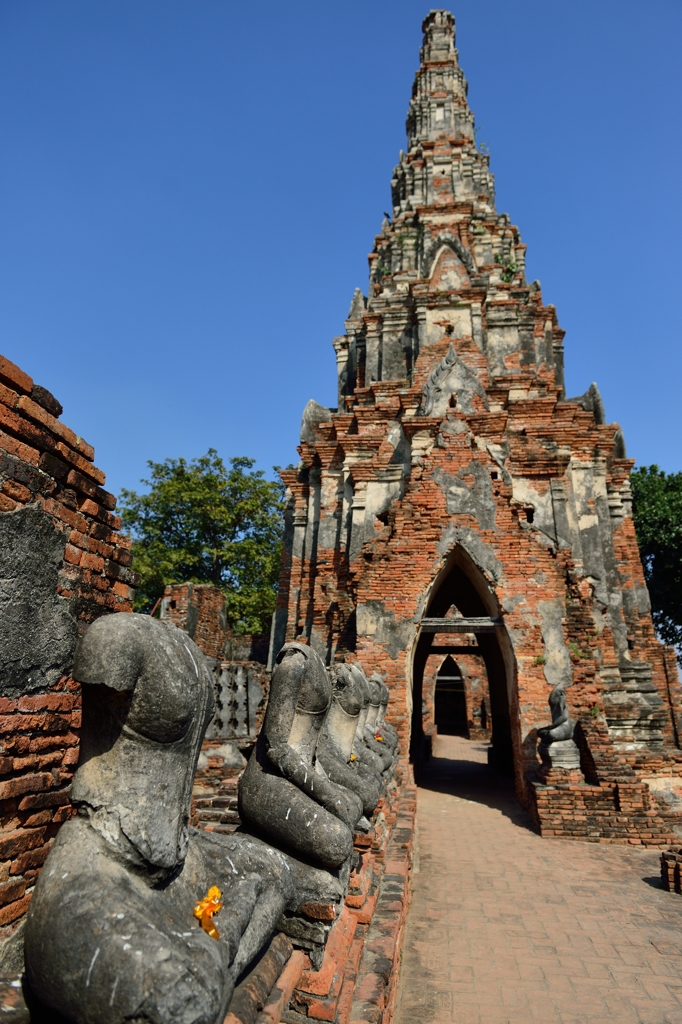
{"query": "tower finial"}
{"type": "Point", "coordinates": [439, 37]}
{"type": "Point", "coordinates": [438, 107]}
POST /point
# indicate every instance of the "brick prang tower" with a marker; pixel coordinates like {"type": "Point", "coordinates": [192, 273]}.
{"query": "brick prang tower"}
{"type": "Point", "coordinates": [458, 504]}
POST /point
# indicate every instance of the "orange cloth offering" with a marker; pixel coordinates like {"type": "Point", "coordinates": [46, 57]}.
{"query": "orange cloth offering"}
{"type": "Point", "coordinates": [206, 908]}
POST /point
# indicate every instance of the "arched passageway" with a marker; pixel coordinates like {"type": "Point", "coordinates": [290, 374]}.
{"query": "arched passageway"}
{"type": "Point", "coordinates": [462, 620]}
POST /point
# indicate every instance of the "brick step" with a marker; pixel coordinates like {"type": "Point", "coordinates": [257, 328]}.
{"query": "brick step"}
{"type": "Point", "coordinates": [209, 814]}
{"type": "Point", "coordinates": [224, 803]}
{"type": "Point", "coordinates": [223, 829]}
{"type": "Point", "coordinates": [358, 894]}
{"type": "Point", "coordinates": [373, 992]}
{"type": "Point", "coordinates": [317, 993]}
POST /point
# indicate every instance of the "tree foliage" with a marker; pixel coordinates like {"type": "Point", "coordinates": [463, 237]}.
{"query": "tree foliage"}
{"type": "Point", "coordinates": [657, 512]}
{"type": "Point", "coordinates": [202, 522]}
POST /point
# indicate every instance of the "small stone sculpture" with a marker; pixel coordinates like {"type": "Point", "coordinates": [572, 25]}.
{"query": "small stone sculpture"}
{"type": "Point", "coordinates": [385, 728]}
{"type": "Point", "coordinates": [557, 748]}
{"type": "Point", "coordinates": [377, 746]}
{"type": "Point", "coordinates": [111, 934]}
{"type": "Point", "coordinates": [361, 750]}
{"type": "Point", "coordinates": [336, 742]}
{"type": "Point", "coordinates": [284, 792]}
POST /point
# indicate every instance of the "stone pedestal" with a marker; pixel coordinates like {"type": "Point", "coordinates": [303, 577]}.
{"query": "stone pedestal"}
{"type": "Point", "coordinates": [560, 763]}
{"type": "Point", "coordinates": [560, 754]}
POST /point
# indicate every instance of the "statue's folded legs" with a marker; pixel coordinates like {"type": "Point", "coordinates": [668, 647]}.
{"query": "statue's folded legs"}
{"type": "Point", "coordinates": [285, 793]}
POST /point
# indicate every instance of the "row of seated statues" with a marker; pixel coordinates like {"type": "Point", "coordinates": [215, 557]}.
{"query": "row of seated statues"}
{"type": "Point", "coordinates": [112, 933]}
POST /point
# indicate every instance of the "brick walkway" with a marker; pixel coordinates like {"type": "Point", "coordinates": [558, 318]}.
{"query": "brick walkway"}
{"type": "Point", "coordinates": [508, 928]}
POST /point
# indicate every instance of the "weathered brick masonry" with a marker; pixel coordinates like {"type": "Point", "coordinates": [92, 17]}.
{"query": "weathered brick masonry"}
{"type": "Point", "coordinates": [456, 480]}
{"type": "Point", "coordinates": [64, 563]}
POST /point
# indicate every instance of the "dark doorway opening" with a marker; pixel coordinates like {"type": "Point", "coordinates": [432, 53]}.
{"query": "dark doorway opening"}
{"type": "Point", "coordinates": [463, 590]}
{"type": "Point", "coordinates": [450, 701]}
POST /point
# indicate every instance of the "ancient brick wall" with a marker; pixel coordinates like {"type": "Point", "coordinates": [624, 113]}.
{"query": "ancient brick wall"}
{"type": "Point", "coordinates": [199, 609]}
{"type": "Point", "coordinates": [64, 563]}
{"type": "Point", "coordinates": [238, 661]}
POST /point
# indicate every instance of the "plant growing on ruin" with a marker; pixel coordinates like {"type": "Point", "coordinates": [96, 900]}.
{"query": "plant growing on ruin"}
{"type": "Point", "coordinates": [204, 522]}
{"type": "Point", "coordinates": [509, 267]}
{"type": "Point", "coordinates": [539, 660]}
{"type": "Point", "coordinates": [657, 512]}
{"type": "Point", "coordinates": [575, 653]}
{"type": "Point", "coordinates": [481, 146]}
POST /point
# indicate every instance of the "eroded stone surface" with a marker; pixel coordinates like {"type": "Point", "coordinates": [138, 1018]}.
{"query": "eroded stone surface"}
{"type": "Point", "coordinates": [39, 628]}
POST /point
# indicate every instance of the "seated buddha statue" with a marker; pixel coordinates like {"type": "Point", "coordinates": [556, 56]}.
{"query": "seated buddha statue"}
{"type": "Point", "coordinates": [383, 727]}
{"type": "Point", "coordinates": [374, 739]}
{"type": "Point", "coordinates": [285, 793]}
{"type": "Point", "coordinates": [335, 749]}
{"type": "Point", "coordinates": [361, 750]}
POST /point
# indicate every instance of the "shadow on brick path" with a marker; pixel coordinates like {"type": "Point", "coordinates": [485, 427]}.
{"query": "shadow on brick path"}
{"type": "Point", "coordinates": [467, 775]}
{"type": "Point", "coordinates": [509, 928]}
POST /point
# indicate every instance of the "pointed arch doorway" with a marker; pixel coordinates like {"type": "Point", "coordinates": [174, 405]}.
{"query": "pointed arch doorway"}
{"type": "Point", "coordinates": [450, 700]}
{"type": "Point", "coordinates": [462, 619]}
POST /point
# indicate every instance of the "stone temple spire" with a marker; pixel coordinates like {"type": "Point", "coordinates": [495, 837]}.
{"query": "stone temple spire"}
{"type": "Point", "coordinates": [443, 161]}
{"type": "Point", "coordinates": [438, 106]}
{"type": "Point", "coordinates": [456, 475]}
{"type": "Point", "coordinates": [446, 258]}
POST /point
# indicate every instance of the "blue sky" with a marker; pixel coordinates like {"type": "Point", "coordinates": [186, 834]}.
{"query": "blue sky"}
{"type": "Point", "coordinates": [188, 192]}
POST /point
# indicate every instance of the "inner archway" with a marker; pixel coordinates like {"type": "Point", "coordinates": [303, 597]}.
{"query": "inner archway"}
{"type": "Point", "coordinates": [450, 702]}
{"type": "Point", "coordinates": [462, 621]}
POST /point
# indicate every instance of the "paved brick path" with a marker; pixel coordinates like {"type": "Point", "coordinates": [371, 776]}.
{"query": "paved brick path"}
{"type": "Point", "coordinates": [508, 928]}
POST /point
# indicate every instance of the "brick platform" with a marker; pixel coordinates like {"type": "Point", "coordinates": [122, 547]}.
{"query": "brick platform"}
{"type": "Point", "coordinates": [357, 979]}
{"type": "Point", "coordinates": [622, 813]}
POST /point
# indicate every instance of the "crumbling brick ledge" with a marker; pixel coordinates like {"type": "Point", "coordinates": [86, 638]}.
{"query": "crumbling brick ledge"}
{"type": "Point", "coordinates": [357, 981]}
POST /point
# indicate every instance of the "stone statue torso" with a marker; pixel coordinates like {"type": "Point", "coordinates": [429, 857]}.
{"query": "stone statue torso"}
{"type": "Point", "coordinates": [342, 720]}
{"type": "Point", "coordinates": [141, 739]}
{"type": "Point", "coordinates": [309, 716]}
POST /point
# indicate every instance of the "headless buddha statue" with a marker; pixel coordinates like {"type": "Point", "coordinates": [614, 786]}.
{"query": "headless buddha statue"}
{"type": "Point", "coordinates": [111, 934]}
{"type": "Point", "coordinates": [562, 725]}
{"type": "Point", "coordinates": [361, 750]}
{"type": "Point", "coordinates": [284, 792]}
{"type": "Point", "coordinates": [383, 727]}
{"type": "Point", "coordinates": [557, 748]}
{"type": "Point", "coordinates": [374, 739]}
{"type": "Point", "coordinates": [335, 748]}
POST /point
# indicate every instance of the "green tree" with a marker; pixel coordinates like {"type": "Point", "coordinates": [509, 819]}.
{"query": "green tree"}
{"type": "Point", "coordinates": [202, 522]}
{"type": "Point", "coordinates": [657, 511]}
